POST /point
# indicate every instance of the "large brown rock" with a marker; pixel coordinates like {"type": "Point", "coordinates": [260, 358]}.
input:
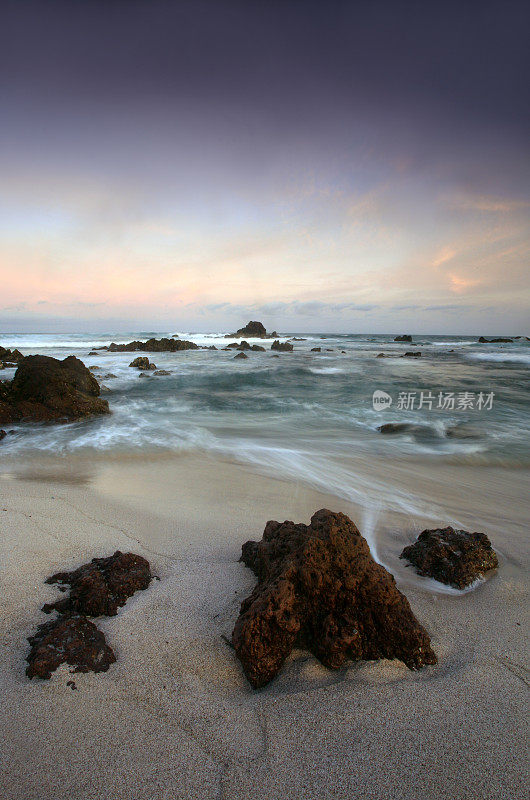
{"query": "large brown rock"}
{"type": "Point", "coordinates": [74, 640]}
{"type": "Point", "coordinates": [153, 346]}
{"type": "Point", "coordinates": [142, 362]}
{"type": "Point", "coordinates": [319, 587]}
{"type": "Point", "coordinates": [45, 389]}
{"type": "Point", "coordinates": [101, 586]}
{"type": "Point", "coordinates": [253, 329]}
{"type": "Point", "coordinates": [454, 557]}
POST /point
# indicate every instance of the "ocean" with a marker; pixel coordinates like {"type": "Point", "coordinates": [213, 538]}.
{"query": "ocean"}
{"type": "Point", "coordinates": [305, 416]}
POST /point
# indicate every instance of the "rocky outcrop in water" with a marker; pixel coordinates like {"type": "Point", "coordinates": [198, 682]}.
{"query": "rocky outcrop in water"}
{"type": "Point", "coordinates": [142, 362]}
{"type": "Point", "coordinates": [102, 586]}
{"type": "Point", "coordinates": [283, 347]}
{"type": "Point", "coordinates": [482, 340]}
{"type": "Point", "coordinates": [451, 556]}
{"type": "Point", "coordinates": [240, 355]}
{"type": "Point", "coordinates": [319, 587]}
{"type": "Point", "coordinates": [153, 346]}
{"type": "Point", "coordinates": [412, 354]}
{"type": "Point", "coordinates": [45, 389]}
{"type": "Point", "coordinates": [316, 349]}
{"type": "Point", "coordinates": [404, 338]}
{"type": "Point", "coordinates": [72, 640]}
{"type": "Point", "coordinates": [254, 330]}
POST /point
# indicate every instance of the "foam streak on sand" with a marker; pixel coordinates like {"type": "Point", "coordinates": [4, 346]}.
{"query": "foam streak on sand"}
{"type": "Point", "coordinates": [174, 718]}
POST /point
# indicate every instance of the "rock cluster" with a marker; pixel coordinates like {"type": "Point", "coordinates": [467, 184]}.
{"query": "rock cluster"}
{"type": "Point", "coordinates": [454, 557]}
{"type": "Point", "coordinates": [96, 589]}
{"type": "Point", "coordinates": [45, 389]}
{"type": "Point", "coordinates": [253, 329]}
{"type": "Point", "coordinates": [319, 587]}
{"type": "Point", "coordinates": [482, 340]}
{"type": "Point", "coordinates": [153, 346]}
{"type": "Point", "coordinates": [283, 347]}
{"type": "Point", "coordinates": [142, 362]}
{"type": "Point", "coordinates": [10, 357]}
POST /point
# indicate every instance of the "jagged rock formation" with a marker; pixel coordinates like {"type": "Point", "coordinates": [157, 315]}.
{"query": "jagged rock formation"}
{"type": "Point", "coordinates": [454, 557]}
{"type": "Point", "coordinates": [142, 362]}
{"type": "Point", "coordinates": [319, 587]}
{"type": "Point", "coordinates": [404, 338]}
{"type": "Point", "coordinates": [153, 346]}
{"type": "Point", "coordinates": [45, 389]}
{"type": "Point", "coordinates": [283, 347]}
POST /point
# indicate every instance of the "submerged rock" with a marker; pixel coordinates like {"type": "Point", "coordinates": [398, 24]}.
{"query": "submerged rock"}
{"type": "Point", "coordinates": [45, 389]}
{"type": "Point", "coordinates": [283, 347]}
{"type": "Point", "coordinates": [415, 354]}
{"type": "Point", "coordinates": [482, 340]}
{"type": "Point", "coordinates": [451, 556]}
{"type": "Point", "coordinates": [72, 640]}
{"type": "Point", "coordinates": [102, 586]}
{"type": "Point", "coordinates": [162, 372]}
{"type": "Point", "coordinates": [319, 587]}
{"type": "Point", "coordinates": [395, 427]}
{"type": "Point", "coordinates": [316, 349]}
{"type": "Point", "coordinates": [142, 362]}
{"type": "Point", "coordinates": [240, 355]}
{"type": "Point", "coordinates": [404, 338]}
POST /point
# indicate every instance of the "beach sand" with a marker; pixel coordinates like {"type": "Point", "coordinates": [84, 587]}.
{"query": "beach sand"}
{"type": "Point", "coordinates": [175, 719]}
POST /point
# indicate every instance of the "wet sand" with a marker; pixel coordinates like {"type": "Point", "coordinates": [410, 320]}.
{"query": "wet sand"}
{"type": "Point", "coordinates": [175, 718]}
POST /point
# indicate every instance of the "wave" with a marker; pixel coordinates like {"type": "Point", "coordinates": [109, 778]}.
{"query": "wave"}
{"type": "Point", "coordinates": [516, 358]}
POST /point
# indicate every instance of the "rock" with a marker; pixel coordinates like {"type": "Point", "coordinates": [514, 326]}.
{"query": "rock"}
{"type": "Point", "coordinates": [94, 368]}
{"type": "Point", "coordinates": [381, 355]}
{"type": "Point", "coordinates": [482, 340]}
{"type": "Point", "coordinates": [2, 365]}
{"type": "Point", "coordinates": [93, 353]}
{"type": "Point", "coordinates": [411, 355]}
{"type": "Point", "coordinates": [255, 330]}
{"type": "Point", "coordinates": [454, 557]}
{"type": "Point", "coordinates": [45, 389]}
{"type": "Point", "coordinates": [316, 349]}
{"type": "Point", "coordinates": [3, 435]}
{"type": "Point", "coordinates": [240, 355]}
{"type": "Point", "coordinates": [404, 338]}
{"type": "Point", "coordinates": [14, 356]}
{"type": "Point", "coordinates": [101, 586]}
{"type": "Point", "coordinates": [462, 431]}
{"type": "Point", "coordinates": [395, 427]}
{"type": "Point", "coordinates": [108, 376]}
{"type": "Point", "coordinates": [242, 345]}
{"type": "Point", "coordinates": [144, 375]}
{"type": "Point", "coordinates": [273, 335]}
{"type": "Point", "coordinates": [298, 339]}
{"type": "Point", "coordinates": [275, 356]}
{"type": "Point", "coordinates": [257, 348]}
{"type": "Point", "coordinates": [103, 388]}
{"type": "Point", "coordinates": [162, 372]}
{"type": "Point", "coordinates": [174, 336]}
{"type": "Point", "coordinates": [232, 345]}
{"type": "Point", "coordinates": [142, 362]}
{"type": "Point", "coordinates": [153, 346]}
{"type": "Point", "coordinates": [329, 349]}
{"type": "Point", "coordinates": [319, 587]}
{"type": "Point", "coordinates": [74, 640]}
{"type": "Point", "coordinates": [284, 347]}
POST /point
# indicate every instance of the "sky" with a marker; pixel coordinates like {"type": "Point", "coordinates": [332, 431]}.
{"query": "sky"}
{"type": "Point", "coordinates": [332, 166]}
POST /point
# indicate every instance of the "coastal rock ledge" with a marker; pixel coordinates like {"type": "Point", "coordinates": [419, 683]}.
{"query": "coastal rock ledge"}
{"type": "Point", "coordinates": [47, 390]}
{"type": "Point", "coordinates": [319, 587]}
{"type": "Point", "coordinates": [454, 557]}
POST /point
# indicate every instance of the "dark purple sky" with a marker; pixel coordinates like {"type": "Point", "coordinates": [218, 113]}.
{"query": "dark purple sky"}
{"type": "Point", "coordinates": [215, 145]}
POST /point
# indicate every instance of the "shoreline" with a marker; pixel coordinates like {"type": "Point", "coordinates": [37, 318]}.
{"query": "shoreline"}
{"type": "Point", "coordinates": [175, 717]}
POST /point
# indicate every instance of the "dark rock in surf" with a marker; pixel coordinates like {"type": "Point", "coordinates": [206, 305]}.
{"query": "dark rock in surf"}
{"type": "Point", "coordinates": [319, 587]}
{"type": "Point", "coordinates": [316, 349]}
{"type": "Point", "coordinates": [3, 435]}
{"type": "Point", "coordinates": [162, 372]}
{"type": "Point", "coordinates": [499, 340]}
{"type": "Point", "coordinates": [102, 586]}
{"type": "Point", "coordinates": [395, 427]}
{"type": "Point", "coordinates": [45, 389]}
{"type": "Point", "coordinates": [451, 556]}
{"type": "Point", "coordinates": [153, 346]}
{"type": "Point", "coordinates": [73, 640]}
{"type": "Point", "coordinates": [142, 362]}
{"type": "Point", "coordinates": [240, 355]}
{"type": "Point", "coordinates": [414, 354]}
{"type": "Point", "coordinates": [255, 330]}
{"type": "Point", "coordinates": [404, 338]}
{"type": "Point", "coordinates": [283, 347]}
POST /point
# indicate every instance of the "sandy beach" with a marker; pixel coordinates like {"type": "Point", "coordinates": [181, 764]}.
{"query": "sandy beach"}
{"type": "Point", "coordinates": [175, 717]}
